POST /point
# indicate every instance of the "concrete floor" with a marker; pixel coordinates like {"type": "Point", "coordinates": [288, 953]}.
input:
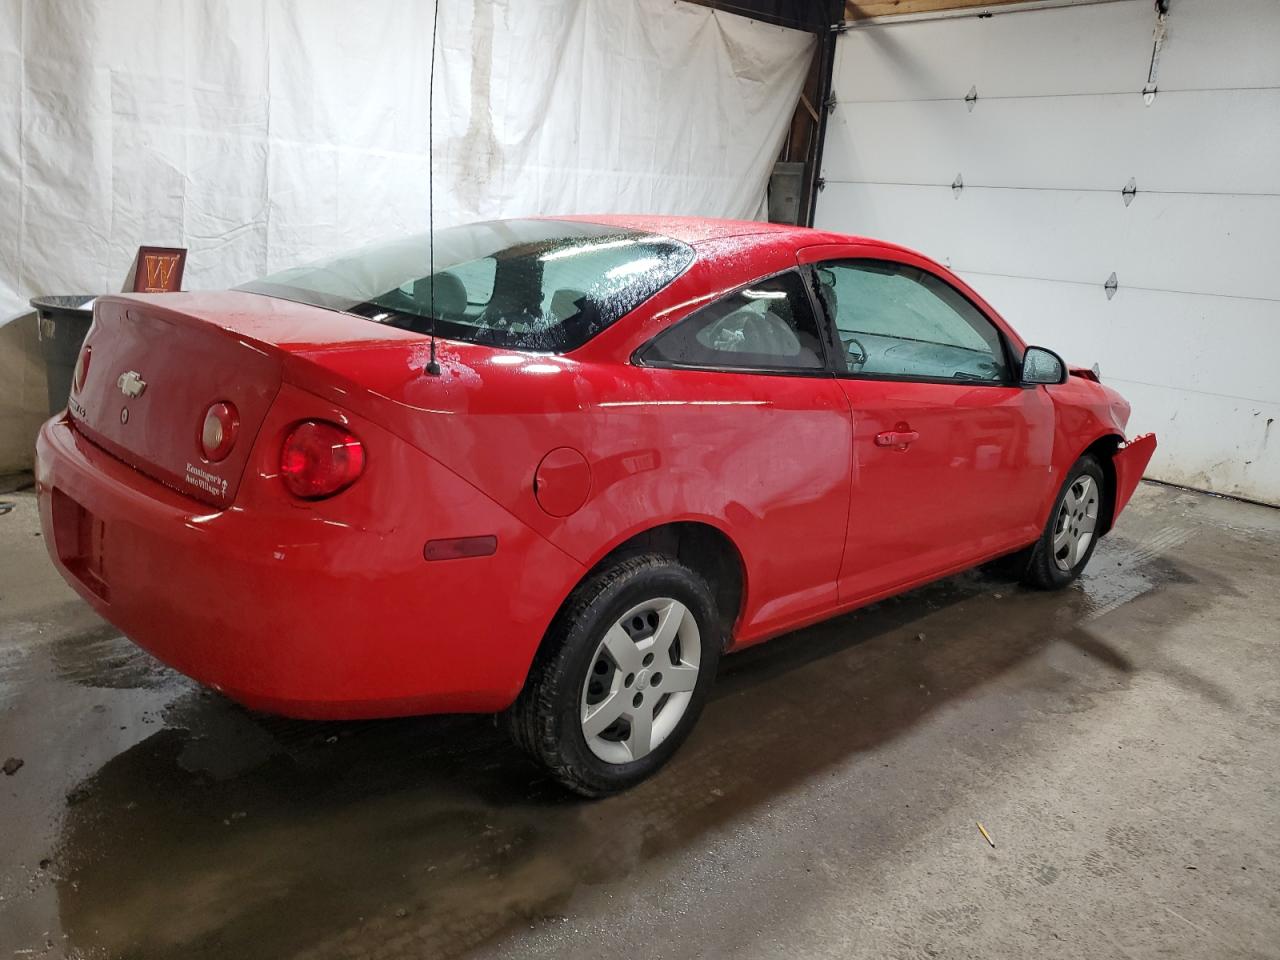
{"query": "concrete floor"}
{"type": "Point", "coordinates": [1120, 742]}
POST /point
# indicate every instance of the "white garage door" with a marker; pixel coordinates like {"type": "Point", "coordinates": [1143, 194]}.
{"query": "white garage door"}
{"type": "Point", "coordinates": [1057, 130]}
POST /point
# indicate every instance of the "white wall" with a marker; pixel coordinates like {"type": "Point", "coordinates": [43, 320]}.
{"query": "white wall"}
{"type": "Point", "coordinates": [262, 134]}
{"type": "Point", "coordinates": [1192, 336]}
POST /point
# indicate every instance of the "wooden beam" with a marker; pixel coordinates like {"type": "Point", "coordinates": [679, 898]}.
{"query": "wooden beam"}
{"type": "Point", "coordinates": [862, 9]}
{"type": "Point", "coordinates": [809, 106]}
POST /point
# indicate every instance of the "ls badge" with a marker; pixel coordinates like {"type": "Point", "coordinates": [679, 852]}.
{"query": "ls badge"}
{"type": "Point", "coordinates": [130, 384]}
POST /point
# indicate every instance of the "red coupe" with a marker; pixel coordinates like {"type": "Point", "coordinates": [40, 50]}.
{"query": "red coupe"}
{"type": "Point", "coordinates": [646, 442]}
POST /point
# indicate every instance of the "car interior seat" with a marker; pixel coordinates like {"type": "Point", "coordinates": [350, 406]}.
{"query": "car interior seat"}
{"type": "Point", "coordinates": [564, 303]}
{"type": "Point", "coordinates": [747, 330]}
{"type": "Point", "coordinates": [450, 295]}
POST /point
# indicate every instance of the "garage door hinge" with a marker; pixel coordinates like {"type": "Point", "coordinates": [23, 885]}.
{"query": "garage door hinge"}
{"type": "Point", "coordinates": [971, 97]}
{"type": "Point", "coordinates": [829, 104]}
{"type": "Point", "coordinates": [957, 185]}
{"type": "Point", "coordinates": [820, 183]}
{"type": "Point", "coordinates": [1129, 191]}
{"type": "Point", "coordinates": [1111, 285]}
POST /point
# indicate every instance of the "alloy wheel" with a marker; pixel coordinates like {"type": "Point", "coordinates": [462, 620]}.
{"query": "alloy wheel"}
{"type": "Point", "coordinates": [641, 680]}
{"type": "Point", "coordinates": [1077, 520]}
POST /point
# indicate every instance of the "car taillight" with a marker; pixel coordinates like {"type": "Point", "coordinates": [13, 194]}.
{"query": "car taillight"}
{"type": "Point", "coordinates": [82, 368]}
{"type": "Point", "coordinates": [218, 432]}
{"type": "Point", "coordinates": [319, 459]}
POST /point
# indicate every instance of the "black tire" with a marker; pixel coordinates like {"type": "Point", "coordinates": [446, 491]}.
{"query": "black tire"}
{"type": "Point", "coordinates": [1042, 570]}
{"type": "Point", "coordinates": [545, 720]}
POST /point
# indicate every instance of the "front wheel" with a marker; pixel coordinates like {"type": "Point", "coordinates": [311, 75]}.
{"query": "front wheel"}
{"type": "Point", "coordinates": [621, 677]}
{"type": "Point", "coordinates": [1069, 538]}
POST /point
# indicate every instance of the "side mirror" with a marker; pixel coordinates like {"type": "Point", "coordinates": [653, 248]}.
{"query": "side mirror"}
{"type": "Point", "coordinates": [1042, 366]}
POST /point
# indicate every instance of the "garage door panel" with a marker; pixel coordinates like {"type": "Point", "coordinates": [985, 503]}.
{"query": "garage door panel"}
{"type": "Point", "coordinates": [944, 58]}
{"type": "Point", "coordinates": [1189, 344]}
{"type": "Point", "coordinates": [1085, 142]}
{"type": "Point", "coordinates": [1179, 362]}
{"type": "Point", "coordinates": [1208, 442]}
{"type": "Point", "coordinates": [1193, 243]}
{"type": "Point", "coordinates": [1206, 49]}
{"type": "Point", "coordinates": [1057, 130]}
{"type": "Point", "coordinates": [925, 218]}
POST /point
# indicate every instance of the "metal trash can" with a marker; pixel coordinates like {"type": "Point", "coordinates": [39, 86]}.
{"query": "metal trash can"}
{"type": "Point", "coordinates": [63, 324]}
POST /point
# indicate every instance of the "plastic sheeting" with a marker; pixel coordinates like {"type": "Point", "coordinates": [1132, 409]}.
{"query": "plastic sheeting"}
{"type": "Point", "coordinates": [260, 135]}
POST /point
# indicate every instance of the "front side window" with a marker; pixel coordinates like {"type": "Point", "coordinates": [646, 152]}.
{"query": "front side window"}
{"type": "Point", "coordinates": [767, 325]}
{"type": "Point", "coordinates": [525, 284]}
{"type": "Point", "coordinates": [895, 320]}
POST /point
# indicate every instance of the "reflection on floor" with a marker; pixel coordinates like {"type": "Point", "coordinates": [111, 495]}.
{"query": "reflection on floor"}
{"type": "Point", "coordinates": [1119, 741]}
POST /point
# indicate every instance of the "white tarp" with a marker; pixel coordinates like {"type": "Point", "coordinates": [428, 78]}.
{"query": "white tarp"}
{"type": "Point", "coordinates": [263, 134]}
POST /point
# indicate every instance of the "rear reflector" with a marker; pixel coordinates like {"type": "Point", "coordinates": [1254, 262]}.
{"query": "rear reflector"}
{"type": "Point", "coordinates": [218, 432]}
{"type": "Point", "coordinates": [460, 547]}
{"type": "Point", "coordinates": [78, 537]}
{"type": "Point", "coordinates": [319, 459]}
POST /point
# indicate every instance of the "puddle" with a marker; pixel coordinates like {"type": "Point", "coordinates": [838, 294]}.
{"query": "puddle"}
{"type": "Point", "coordinates": [101, 657]}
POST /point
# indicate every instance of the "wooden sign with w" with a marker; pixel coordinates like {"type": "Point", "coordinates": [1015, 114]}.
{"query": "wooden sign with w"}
{"type": "Point", "coordinates": [159, 269]}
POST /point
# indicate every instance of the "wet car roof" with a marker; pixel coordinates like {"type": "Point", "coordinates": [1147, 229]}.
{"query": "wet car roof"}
{"type": "Point", "coordinates": [694, 230]}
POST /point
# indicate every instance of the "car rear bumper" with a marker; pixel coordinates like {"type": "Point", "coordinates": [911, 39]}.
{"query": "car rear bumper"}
{"type": "Point", "coordinates": [292, 612]}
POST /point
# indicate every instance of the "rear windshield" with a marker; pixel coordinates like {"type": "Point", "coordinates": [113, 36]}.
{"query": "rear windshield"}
{"type": "Point", "coordinates": [546, 285]}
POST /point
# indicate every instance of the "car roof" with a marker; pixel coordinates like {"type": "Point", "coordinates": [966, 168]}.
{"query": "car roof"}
{"type": "Point", "coordinates": [695, 230]}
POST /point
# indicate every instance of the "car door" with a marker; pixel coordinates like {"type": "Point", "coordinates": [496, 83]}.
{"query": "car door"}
{"type": "Point", "coordinates": [950, 457]}
{"type": "Point", "coordinates": [756, 430]}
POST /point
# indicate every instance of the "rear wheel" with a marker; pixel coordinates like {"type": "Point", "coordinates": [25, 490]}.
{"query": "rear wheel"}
{"type": "Point", "coordinates": [622, 675]}
{"type": "Point", "coordinates": [1069, 538]}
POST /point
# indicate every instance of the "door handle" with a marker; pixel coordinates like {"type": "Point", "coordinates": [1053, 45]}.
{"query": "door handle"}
{"type": "Point", "coordinates": [900, 439]}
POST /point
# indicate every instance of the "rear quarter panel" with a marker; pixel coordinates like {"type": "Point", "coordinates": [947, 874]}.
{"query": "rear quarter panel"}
{"type": "Point", "coordinates": [467, 626]}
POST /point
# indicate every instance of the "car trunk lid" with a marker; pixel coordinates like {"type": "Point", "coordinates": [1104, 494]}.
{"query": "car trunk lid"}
{"type": "Point", "coordinates": [158, 363]}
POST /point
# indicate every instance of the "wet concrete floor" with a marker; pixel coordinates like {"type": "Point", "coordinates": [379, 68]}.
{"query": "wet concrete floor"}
{"type": "Point", "coordinates": [1119, 741]}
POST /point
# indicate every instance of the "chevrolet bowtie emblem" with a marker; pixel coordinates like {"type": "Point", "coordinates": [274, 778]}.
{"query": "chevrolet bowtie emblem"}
{"type": "Point", "coordinates": [130, 384]}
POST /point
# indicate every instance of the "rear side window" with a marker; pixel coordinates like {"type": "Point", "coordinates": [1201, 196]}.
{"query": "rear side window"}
{"type": "Point", "coordinates": [477, 277]}
{"type": "Point", "coordinates": [768, 325]}
{"type": "Point", "coordinates": [545, 285]}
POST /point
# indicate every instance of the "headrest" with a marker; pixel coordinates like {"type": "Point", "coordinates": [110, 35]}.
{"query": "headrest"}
{"type": "Point", "coordinates": [768, 334]}
{"type": "Point", "coordinates": [564, 303]}
{"type": "Point", "coordinates": [450, 294]}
